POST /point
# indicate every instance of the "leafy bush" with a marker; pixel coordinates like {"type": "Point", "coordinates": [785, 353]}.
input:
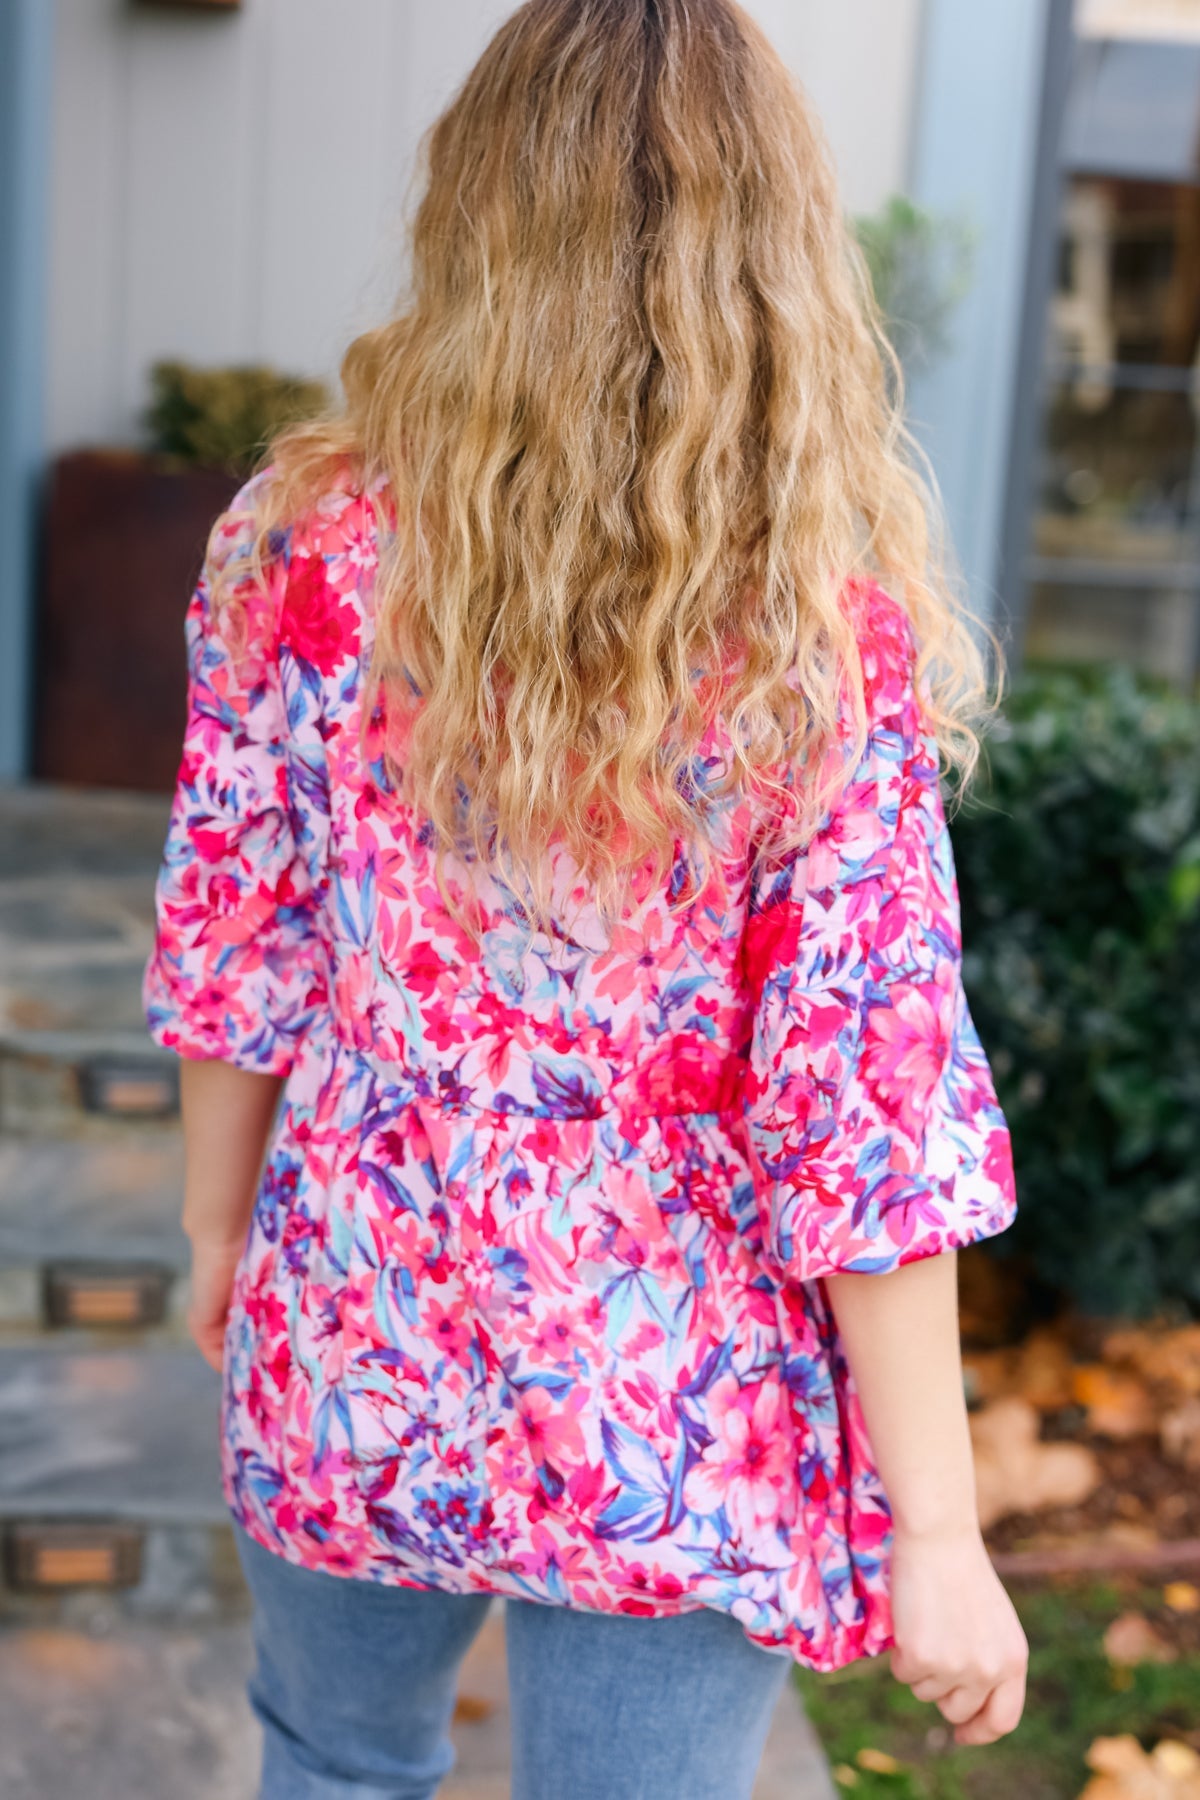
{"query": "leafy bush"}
{"type": "Point", "coordinates": [1078, 857]}
{"type": "Point", "coordinates": [921, 266]}
{"type": "Point", "coordinates": [224, 418]}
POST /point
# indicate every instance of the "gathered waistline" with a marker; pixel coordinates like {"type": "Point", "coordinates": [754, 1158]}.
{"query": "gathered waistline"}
{"type": "Point", "coordinates": [721, 1098]}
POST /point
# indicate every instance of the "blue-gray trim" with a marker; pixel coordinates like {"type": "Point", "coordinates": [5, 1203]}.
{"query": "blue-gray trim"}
{"type": "Point", "coordinates": [1029, 388]}
{"type": "Point", "coordinates": [972, 156]}
{"type": "Point", "coordinates": [26, 68]}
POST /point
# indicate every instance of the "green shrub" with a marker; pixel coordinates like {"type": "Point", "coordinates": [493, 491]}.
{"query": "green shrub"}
{"type": "Point", "coordinates": [1078, 857]}
{"type": "Point", "coordinates": [224, 418]}
{"type": "Point", "coordinates": [921, 266]}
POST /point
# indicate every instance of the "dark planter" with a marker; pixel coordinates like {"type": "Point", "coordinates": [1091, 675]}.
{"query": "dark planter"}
{"type": "Point", "coordinates": [124, 538]}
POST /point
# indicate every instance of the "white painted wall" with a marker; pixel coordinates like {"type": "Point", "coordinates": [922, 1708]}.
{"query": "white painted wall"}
{"type": "Point", "coordinates": [230, 187]}
{"type": "Point", "coordinates": [858, 62]}
{"type": "Point", "coordinates": [975, 141]}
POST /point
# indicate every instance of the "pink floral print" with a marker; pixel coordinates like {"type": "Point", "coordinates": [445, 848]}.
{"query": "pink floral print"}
{"type": "Point", "coordinates": [531, 1302]}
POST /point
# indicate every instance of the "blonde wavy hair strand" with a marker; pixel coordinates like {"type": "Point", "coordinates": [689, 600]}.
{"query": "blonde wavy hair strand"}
{"type": "Point", "coordinates": [641, 423]}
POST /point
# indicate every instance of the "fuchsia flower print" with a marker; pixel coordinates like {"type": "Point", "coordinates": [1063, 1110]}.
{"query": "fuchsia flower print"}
{"type": "Point", "coordinates": [531, 1300]}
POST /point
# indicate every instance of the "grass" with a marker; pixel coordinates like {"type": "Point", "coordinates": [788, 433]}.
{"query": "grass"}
{"type": "Point", "coordinates": [1074, 1695]}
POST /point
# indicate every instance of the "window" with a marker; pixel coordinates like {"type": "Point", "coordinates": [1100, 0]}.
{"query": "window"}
{"type": "Point", "coordinates": [1113, 548]}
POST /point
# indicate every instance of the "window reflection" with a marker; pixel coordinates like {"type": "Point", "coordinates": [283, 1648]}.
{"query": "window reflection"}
{"type": "Point", "coordinates": [1116, 473]}
{"type": "Point", "coordinates": [1153, 630]}
{"type": "Point", "coordinates": [1113, 553]}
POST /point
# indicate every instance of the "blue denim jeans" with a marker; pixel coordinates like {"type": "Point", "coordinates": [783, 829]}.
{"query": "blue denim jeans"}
{"type": "Point", "coordinates": [355, 1687]}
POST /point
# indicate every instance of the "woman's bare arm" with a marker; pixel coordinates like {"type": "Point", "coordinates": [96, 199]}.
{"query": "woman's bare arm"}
{"type": "Point", "coordinates": [227, 1114]}
{"type": "Point", "coordinates": [958, 1641]}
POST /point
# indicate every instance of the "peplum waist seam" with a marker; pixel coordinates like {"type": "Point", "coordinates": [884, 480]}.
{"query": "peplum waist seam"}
{"type": "Point", "coordinates": [626, 1098]}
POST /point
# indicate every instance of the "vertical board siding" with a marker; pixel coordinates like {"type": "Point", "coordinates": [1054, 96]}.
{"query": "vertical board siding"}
{"type": "Point", "coordinates": [231, 187]}
{"type": "Point", "coordinates": [857, 61]}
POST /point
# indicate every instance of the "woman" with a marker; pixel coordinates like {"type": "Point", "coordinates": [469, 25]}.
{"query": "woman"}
{"type": "Point", "coordinates": [559, 839]}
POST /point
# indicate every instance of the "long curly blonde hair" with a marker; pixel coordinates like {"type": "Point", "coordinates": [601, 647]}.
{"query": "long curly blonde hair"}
{"type": "Point", "coordinates": [641, 424]}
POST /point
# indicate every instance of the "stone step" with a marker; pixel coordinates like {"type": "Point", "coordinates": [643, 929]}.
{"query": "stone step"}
{"type": "Point", "coordinates": [129, 1435]}
{"type": "Point", "coordinates": [50, 829]}
{"type": "Point", "coordinates": [77, 875]}
{"type": "Point", "coordinates": [96, 1084]}
{"type": "Point", "coordinates": [72, 950]}
{"type": "Point", "coordinates": [66, 1205]}
{"type": "Point", "coordinates": [113, 1451]}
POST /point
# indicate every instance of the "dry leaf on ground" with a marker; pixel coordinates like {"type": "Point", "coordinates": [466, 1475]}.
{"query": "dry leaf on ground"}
{"type": "Point", "coordinates": [469, 1709]}
{"type": "Point", "coordinates": [1182, 1596]}
{"type": "Point", "coordinates": [1016, 1473]}
{"type": "Point", "coordinates": [1124, 1771]}
{"type": "Point", "coordinates": [1044, 1373]}
{"type": "Point", "coordinates": [877, 1761]}
{"type": "Point", "coordinates": [1170, 1357]}
{"type": "Point", "coordinates": [1179, 1434]}
{"type": "Point", "coordinates": [1132, 1639]}
{"type": "Point", "coordinates": [1118, 1405]}
{"type": "Point", "coordinates": [1038, 1370]}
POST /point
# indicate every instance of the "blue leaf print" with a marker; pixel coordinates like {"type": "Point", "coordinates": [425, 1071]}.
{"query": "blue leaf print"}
{"type": "Point", "coordinates": [392, 1186]}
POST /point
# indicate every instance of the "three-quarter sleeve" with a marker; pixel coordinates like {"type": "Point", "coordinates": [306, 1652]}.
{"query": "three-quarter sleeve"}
{"type": "Point", "coordinates": [872, 1125]}
{"type": "Point", "coordinates": [237, 970]}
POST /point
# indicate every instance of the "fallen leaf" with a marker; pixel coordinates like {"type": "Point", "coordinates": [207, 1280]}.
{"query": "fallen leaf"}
{"type": "Point", "coordinates": [1177, 1761]}
{"type": "Point", "coordinates": [1044, 1371]}
{"type": "Point", "coordinates": [1040, 1370]}
{"type": "Point", "coordinates": [1125, 1772]}
{"type": "Point", "coordinates": [878, 1762]}
{"type": "Point", "coordinates": [1132, 1639]}
{"type": "Point", "coordinates": [1171, 1356]}
{"type": "Point", "coordinates": [1016, 1473]}
{"type": "Point", "coordinates": [470, 1710]}
{"type": "Point", "coordinates": [1179, 1434]}
{"type": "Point", "coordinates": [1116, 1755]}
{"type": "Point", "coordinates": [844, 1775]}
{"type": "Point", "coordinates": [1182, 1596]}
{"type": "Point", "coordinates": [1118, 1406]}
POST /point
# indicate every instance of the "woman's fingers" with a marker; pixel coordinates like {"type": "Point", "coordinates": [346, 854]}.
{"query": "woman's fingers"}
{"type": "Point", "coordinates": [963, 1703]}
{"type": "Point", "coordinates": [1000, 1714]}
{"type": "Point", "coordinates": [933, 1687]}
{"type": "Point", "coordinates": [958, 1643]}
{"type": "Point", "coordinates": [980, 1711]}
{"type": "Point", "coordinates": [208, 1335]}
{"type": "Point", "coordinates": [955, 1699]}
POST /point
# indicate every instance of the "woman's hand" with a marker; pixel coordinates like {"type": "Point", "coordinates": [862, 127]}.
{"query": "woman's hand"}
{"type": "Point", "coordinates": [958, 1641]}
{"type": "Point", "coordinates": [227, 1114]}
{"type": "Point", "coordinates": [214, 1265]}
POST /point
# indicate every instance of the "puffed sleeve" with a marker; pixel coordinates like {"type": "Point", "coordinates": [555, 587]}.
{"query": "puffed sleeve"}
{"type": "Point", "coordinates": [236, 972]}
{"type": "Point", "coordinates": [872, 1125]}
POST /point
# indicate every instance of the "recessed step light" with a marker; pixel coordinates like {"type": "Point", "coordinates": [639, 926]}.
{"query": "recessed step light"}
{"type": "Point", "coordinates": [62, 1553]}
{"type": "Point", "coordinates": [133, 1090]}
{"type": "Point", "coordinates": [115, 1294]}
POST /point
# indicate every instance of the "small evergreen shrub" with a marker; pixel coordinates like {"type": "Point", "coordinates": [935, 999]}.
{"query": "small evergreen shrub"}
{"type": "Point", "coordinates": [224, 418]}
{"type": "Point", "coordinates": [1078, 858]}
